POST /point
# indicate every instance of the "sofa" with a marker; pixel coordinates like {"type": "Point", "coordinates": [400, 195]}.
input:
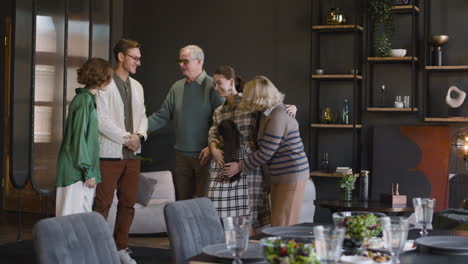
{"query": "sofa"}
{"type": "Point", "coordinates": [149, 219]}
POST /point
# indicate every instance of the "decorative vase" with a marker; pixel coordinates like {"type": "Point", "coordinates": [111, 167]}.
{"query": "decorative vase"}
{"type": "Point", "coordinates": [335, 17]}
{"type": "Point", "coordinates": [346, 194]}
{"type": "Point", "coordinates": [328, 117]}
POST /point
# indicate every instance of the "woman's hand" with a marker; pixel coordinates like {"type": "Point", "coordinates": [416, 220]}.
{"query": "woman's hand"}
{"type": "Point", "coordinates": [218, 156]}
{"type": "Point", "coordinates": [90, 183]}
{"type": "Point", "coordinates": [291, 109]}
{"type": "Point", "coordinates": [230, 169]}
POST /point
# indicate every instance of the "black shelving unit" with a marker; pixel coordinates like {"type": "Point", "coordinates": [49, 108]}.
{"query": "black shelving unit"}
{"type": "Point", "coordinates": [336, 77]}
{"type": "Point", "coordinates": [371, 62]}
{"type": "Point", "coordinates": [430, 70]}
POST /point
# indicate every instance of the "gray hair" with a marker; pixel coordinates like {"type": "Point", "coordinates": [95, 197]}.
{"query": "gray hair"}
{"type": "Point", "coordinates": [195, 51]}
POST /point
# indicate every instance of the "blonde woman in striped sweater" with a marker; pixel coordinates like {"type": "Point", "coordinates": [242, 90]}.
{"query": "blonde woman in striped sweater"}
{"type": "Point", "coordinates": [280, 146]}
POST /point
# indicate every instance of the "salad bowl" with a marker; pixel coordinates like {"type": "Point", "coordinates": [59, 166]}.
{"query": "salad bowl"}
{"type": "Point", "coordinates": [289, 250]}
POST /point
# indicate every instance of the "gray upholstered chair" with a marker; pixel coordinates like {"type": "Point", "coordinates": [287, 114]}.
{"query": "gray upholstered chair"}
{"type": "Point", "coordinates": [191, 225]}
{"type": "Point", "coordinates": [77, 238]}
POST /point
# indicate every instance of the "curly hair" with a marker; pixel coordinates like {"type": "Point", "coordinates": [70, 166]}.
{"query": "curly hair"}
{"type": "Point", "coordinates": [95, 72]}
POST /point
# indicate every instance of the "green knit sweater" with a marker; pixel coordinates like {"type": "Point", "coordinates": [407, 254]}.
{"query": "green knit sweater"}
{"type": "Point", "coordinates": [190, 106]}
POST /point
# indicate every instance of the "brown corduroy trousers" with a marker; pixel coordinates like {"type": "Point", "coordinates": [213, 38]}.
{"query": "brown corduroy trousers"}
{"type": "Point", "coordinates": [123, 175]}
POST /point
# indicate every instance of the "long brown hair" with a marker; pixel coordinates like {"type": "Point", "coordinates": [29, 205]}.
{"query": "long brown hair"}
{"type": "Point", "coordinates": [229, 73]}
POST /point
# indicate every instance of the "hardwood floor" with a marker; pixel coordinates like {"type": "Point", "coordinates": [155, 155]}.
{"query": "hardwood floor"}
{"type": "Point", "coordinates": [9, 231]}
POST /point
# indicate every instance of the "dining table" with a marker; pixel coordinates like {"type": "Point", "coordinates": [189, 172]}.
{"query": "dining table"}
{"type": "Point", "coordinates": [366, 206]}
{"type": "Point", "coordinates": [419, 256]}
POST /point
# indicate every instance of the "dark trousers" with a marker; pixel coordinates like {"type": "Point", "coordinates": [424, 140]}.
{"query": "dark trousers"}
{"type": "Point", "coordinates": [123, 175]}
{"type": "Point", "coordinates": [191, 180]}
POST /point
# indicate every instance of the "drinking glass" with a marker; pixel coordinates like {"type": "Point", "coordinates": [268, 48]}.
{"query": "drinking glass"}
{"type": "Point", "coordinates": [398, 99]}
{"type": "Point", "coordinates": [395, 234]}
{"type": "Point", "coordinates": [423, 211]}
{"type": "Point", "coordinates": [236, 233]}
{"type": "Point", "coordinates": [406, 101]}
{"type": "Point", "coordinates": [328, 243]}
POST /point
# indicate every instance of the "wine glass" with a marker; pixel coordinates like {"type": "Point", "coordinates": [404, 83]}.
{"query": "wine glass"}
{"type": "Point", "coordinates": [236, 233]}
{"type": "Point", "coordinates": [395, 234]}
{"type": "Point", "coordinates": [423, 211]}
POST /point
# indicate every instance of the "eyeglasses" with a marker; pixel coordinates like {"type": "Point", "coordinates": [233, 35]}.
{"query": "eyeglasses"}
{"type": "Point", "coordinates": [135, 59]}
{"type": "Point", "coordinates": [185, 61]}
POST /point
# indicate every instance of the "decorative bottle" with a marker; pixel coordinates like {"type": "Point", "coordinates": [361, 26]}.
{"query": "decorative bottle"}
{"type": "Point", "coordinates": [345, 112]}
{"type": "Point", "coordinates": [324, 163]}
{"type": "Point", "coordinates": [364, 185]}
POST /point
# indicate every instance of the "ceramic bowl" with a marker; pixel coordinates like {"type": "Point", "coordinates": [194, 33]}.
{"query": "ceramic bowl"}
{"type": "Point", "coordinates": [397, 52]}
{"type": "Point", "coordinates": [300, 250]}
{"type": "Point", "coordinates": [319, 71]}
{"type": "Point", "coordinates": [439, 40]}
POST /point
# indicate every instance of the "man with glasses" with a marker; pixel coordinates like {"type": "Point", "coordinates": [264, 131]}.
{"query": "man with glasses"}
{"type": "Point", "coordinates": [190, 103]}
{"type": "Point", "coordinates": [122, 127]}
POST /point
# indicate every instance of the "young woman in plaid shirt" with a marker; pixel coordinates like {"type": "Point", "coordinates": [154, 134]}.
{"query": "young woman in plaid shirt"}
{"type": "Point", "coordinates": [280, 146]}
{"type": "Point", "coordinates": [246, 195]}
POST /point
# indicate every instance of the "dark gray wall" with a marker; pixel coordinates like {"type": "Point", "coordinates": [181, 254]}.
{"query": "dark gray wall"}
{"type": "Point", "coordinates": [269, 38]}
{"type": "Point", "coordinates": [273, 38]}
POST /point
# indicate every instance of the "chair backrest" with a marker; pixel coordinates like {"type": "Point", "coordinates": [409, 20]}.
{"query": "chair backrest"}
{"type": "Point", "coordinates": [191, 225]}
{"type": "Point", "coordinates": [76, 238]}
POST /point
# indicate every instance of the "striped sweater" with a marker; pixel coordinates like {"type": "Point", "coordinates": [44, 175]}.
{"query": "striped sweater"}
{"type": "Point", "coordinates": [280, 146]}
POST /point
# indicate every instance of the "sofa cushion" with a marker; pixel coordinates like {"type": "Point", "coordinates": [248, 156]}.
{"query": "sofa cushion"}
{"type": "Point", "coordinates": [145, 189]}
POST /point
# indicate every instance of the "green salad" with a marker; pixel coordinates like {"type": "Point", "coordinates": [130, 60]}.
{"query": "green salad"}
{"type": "Point", "coordinates": [284, 251]}
{"type": "Point", "coordinates": [359, 227]}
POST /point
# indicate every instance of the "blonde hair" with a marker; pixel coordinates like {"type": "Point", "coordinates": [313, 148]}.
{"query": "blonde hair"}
{"type": "Point", "coordinates": [260, 94]}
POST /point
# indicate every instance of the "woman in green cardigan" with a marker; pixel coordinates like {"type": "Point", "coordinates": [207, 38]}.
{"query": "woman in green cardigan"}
{"type": "Point", "coordinates": [78, 159]}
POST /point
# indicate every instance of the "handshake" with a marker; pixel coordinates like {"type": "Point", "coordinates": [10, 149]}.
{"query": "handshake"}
{"type": "Point", "coordinates": [133, 142]}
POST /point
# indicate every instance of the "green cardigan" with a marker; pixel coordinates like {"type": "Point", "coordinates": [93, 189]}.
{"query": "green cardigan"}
{"type": "Point", "coordinates": [78, 158]}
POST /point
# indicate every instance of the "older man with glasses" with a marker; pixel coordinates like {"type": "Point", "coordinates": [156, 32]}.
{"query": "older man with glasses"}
{"type": "Point", "coordinates": [190, 103]}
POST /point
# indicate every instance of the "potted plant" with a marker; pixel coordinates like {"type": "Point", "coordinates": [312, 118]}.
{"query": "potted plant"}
{"type": "Point", "coordinates": [380, 14]}
{"type": "Point", "coordinates": [347, 185]}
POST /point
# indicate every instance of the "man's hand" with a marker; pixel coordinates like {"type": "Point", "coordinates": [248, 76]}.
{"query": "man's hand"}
{"type": "Point", "coordinates": [218, 156]}
{"type": "Point", "coordinates": [230, 169]}
{"type": "Point", "coordinates": [291, 109]}
{"type": "Point", "coordinates": [133, 142]}
{"type": "Point", "coordinates": [205, 156]}
{"type": "Point", "coordinates": [90, 183]}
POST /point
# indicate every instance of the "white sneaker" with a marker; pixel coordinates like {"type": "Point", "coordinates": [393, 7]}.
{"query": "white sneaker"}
{"type": "Point", "coordinates": [125, 257]}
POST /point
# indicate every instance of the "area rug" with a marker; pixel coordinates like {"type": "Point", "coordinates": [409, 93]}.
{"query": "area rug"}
{"type": "Point", "coordinates": [23, 252]}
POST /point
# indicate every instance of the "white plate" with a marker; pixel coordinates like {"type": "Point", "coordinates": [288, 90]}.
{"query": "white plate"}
{"type": "Point", "coordinates": [409, 246]}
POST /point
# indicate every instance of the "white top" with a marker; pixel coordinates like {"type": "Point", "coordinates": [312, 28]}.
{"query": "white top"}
{"type": "Point", "coordinates": [111, 118]}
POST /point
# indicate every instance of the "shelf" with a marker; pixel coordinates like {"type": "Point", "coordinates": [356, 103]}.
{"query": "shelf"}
{"type": "Point", "coordinates": [329, 175]}
{"type": "Point", "coordinates": [392, 59]}
{"type": "Point", "coordinates": [448, 68]}
{"type": "Point", "coordinates": [328, 28]}
{"type": "Point", "coordinates": [446, 119]}
{"type": "Point", "coordinates": [391, 109]}
{"type": "Point", "coordinates": [405, 9]}
{"type": "Point", "coordinates": [336, 76]}
{"type": "Point", "coordinates": [334, 126]}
